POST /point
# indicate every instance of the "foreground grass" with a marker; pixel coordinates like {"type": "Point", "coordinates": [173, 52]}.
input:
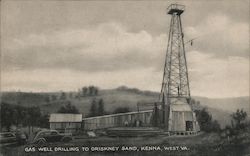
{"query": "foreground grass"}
{"type": "Point", "coordinates": [201, 145]}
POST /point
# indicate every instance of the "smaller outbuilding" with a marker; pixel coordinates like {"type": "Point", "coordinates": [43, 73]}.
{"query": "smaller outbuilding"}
{"type": "Point", "coordinates": [67, 123]}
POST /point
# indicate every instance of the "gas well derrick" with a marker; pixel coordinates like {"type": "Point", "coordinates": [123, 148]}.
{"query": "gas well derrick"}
{"type": "Point", "coordinates": [177, 115]}
{"type": "Point", "coordinates": [175, 78]}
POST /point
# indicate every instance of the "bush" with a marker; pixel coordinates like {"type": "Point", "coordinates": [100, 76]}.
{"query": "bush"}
{"type": "Point", "coordinates": [68, 109]}
{"type": "Point", "coordinates": [205, 121]}
{"type": "Point", "coordinates": [238, 125]}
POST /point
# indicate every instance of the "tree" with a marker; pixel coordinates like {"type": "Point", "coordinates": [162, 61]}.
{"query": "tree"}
{"type": "Point", "coordinates": [238, 118]}
{"type": "Point", "coordinates": [24, 117]}
{"type": "Point", "coordinates": [91, 90]}
{"type": "Point", "coordinates": [44, 121]}
{"type": "Point", "coordinates": [237, 127]}
{"type": "Point", "coordinates": [205, 121]}
{"type": "Point", "coordinates": [15, 115]}
{"type": "Point", "coordinates": [63, 96]}
{"type": "Point", "coordinates": [6, 116]}
{"type": "Point", "coordinates": [156, 116]}
{"type": "Point", "coordinates": [68, 108]}
{"type": "Point", "coordinates": [84, 91]}
{"type": "Point", "coordinates": [93, 108]}
{"type": "Point", "coordinates": [96, 91]}
{"type": "Point", "coordinates": [100, 107]}
{"type": "Point", "coordinates": [12, 115]}
{"type": "Point", "coordinates": [34, 115]}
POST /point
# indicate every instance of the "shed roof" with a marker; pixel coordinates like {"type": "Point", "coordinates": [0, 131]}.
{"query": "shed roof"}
{"type": "Point", "coordinates": [118, 114]}
{"type": "Point", "coordinates": [65, 118]}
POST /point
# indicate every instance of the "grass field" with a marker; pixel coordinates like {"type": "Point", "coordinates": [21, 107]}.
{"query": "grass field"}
{"type": "Point", "coordinates": [201, 145]}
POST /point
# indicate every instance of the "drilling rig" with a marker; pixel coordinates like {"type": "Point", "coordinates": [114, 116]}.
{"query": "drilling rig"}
{"type": "Point", "coordinates": [177, 115]}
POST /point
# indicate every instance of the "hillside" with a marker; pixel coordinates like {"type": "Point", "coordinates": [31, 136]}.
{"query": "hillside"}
{"type": "Point", "coordinates": [113, 98]}
{"type": "Point", "coordinates": [221, 109]}
{"type": "Point", "coordinates": [123, 96]}
{"type": "Point", "coordinates": [226, 104]}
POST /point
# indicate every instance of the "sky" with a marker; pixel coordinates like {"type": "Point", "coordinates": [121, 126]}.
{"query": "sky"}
{"type": "Point", "coordinates": [63, 45]}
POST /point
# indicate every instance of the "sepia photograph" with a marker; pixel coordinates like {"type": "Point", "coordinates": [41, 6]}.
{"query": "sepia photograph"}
{"type": "Point", "coordinates": [125, 77]}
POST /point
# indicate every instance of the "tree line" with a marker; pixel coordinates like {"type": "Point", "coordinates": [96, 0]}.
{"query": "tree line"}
{"type": "Point", "coordinates": [97, 108]}
{"type": "Point", "coordinates": [26, 116]}
{"type": "Point", "coordinates": [83, 92]}
{"type": "Point", "coordinates": [89, 91]}
{"type": "Point", "coordinates": [62, 96]}
{"type": "Point", "coordinates": [32, 117]}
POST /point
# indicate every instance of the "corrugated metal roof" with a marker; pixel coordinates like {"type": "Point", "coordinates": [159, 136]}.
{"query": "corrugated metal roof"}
{"type": "Point", "coordinates": [65, 118]}
{"type": "Point", "coordinates": [118, 114]}
{"type": "Point", "coordinates": [180, 107]}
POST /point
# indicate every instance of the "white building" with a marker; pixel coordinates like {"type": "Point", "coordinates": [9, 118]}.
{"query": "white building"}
{"type": "Point", "coordinates": [65, 122]}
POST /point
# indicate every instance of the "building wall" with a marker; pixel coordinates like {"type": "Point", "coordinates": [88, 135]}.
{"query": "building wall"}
{"type": "Point", "coordinates": [117, 120]}
{"type": "Point", "coordinates": [67, 127]}
{"type": "Point", "coordinates": [178, 119]}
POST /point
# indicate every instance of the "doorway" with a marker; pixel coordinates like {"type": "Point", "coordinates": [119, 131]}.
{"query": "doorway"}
{"type": "Point", "coordinates": [189, 126]}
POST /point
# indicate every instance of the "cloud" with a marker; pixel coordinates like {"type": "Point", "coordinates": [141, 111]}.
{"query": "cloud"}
{"type": "Point", "coordinates": [68, 80]}
{"type": "Point", "coordinates": [209, 77]}
{"type": "Point", "coordinates": [215, 77]}
{"type": "Point", "coordinates": [109, 46]}
{"type": "Point", "coordinates": [220, 35]}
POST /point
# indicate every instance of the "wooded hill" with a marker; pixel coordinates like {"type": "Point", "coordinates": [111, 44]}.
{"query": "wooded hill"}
{"type": "Point", "coordinates": [119, 97]}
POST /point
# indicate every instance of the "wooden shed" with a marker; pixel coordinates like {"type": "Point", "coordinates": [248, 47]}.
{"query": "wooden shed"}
{"type": "Point", "coordinates": [65, 122]}
{"type": "Point", "coordinates": [182, 118]}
